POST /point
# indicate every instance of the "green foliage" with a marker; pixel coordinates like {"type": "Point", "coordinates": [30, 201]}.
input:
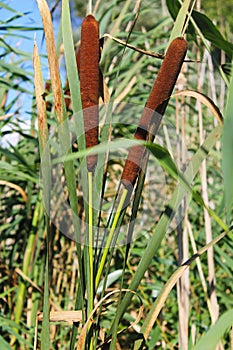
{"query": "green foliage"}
{"type": "Point", "coordinates": [211, 338]}
{"type": "Point", "coordinates": [206, 26]}
{"type": "Point", "coordinates": [227, 148]}
{"type": "Point", "coordinates": [220, 14]}
{"type": "Point", "coordinates": [42, 269]}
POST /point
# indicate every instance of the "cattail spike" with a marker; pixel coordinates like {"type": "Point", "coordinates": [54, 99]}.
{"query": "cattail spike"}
{"type": "Point", "coordinates": [155, 106]}
{"type": "Point", "coordinates": [89, 83]}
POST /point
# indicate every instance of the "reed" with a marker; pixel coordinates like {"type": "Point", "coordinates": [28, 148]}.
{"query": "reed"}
{"type": "Point", "coordinates": [72, 277]}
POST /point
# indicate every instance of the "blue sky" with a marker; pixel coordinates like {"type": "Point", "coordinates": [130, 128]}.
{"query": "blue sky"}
{"type": "Point", "coordinates": [30, 19]}
{"type": "Point", "coordinates": [24, 43]}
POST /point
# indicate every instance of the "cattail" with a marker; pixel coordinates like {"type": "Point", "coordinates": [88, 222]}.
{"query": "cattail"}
{"type": "Point", "coordinates": [67, 89]}
{"type": "Point", "coordinates": [155, 107]}
{"type": "Point", "coordinates": [89, 83]}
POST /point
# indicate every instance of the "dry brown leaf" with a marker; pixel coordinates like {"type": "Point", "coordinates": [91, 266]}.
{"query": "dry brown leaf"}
{"type": "Point", "coordinates": [5, 116]}
{"type": "Point", "coordinates": [52, 58]}
{"type": "Point", "coordinates": [16, 187]}
{"type": "Point", "coordinates": [203, 99]}
{"type": "Point", "coordinates": [62, 316]}
{"type": "Point", "coordinates": [160, 302]}
{"type": "Point", "coordinates": [82, 337]}
{"type": "Point", "coordinates": [40, 99]}
{"type": "Point", "coordinates": [144, 52]}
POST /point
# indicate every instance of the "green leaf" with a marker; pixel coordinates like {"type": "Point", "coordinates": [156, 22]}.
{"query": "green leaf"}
{"type": "Point", "coordinates": [180, 20]}
{"type": "Point", "coordinates": [211, 32]}
{"type": "Point", "coordinates": [111, 278]}
{"type": "Point", "coordinates": [205, 25]}
{"type": "Point", "coordinates": [45, 334]}
{"type": "Point", "coordinates": [210, 340]}
{"type": "Point", "coordinates": [71, 65]}
{"type": "Point", "coordinates": [14, 69]}
{"type": "Point", "coordinates": [6, 7]}
{"type": "Point", "coordinates": [4, 344]}
{"type": "Point", "coordinates": [164, 158]}
{"type": "Point", "coordinates": [227, 162]}
{"type": "Point", "coordinates": [161, 227]}
{"type": "Point", "coordinates": [13, 328]}
{"type": "Point", "coordinates": [168, 165]}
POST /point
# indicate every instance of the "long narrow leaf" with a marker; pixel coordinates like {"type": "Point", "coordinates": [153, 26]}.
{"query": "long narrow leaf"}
{"type": "Point", "coordinates": [210, 340]}
{"type": "Point", "coordinates": [180, 21]}
{"type": "Point", "coordinates": [171, 209]}
{"type": "Point", "coordinates": [157, 306]}
{"type": "Point", "coordinates": [227, 162]}
{"type": "Point", "coordinates": [71, 66]}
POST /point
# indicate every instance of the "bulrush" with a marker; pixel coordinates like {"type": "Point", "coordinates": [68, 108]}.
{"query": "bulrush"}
{"type": "Point", "coordinates": [155, 107]}
{"type": "Point", "coordinates": [89, 56]}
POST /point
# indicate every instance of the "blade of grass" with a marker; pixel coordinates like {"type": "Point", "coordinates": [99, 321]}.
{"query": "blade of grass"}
{"type": "Point", "coordinates": [89, 262]}
{"type": "Point", "coordinates": [157, 306]}
{"type": "Point", "coordinates": [46, 180]}
{"type": "Point", "coordinates": [71, 68]}
{"type": "Point", "coordinates": [180, 20]}
{"type": "Point", "coordinates": [16, 187]}
{"type": "Point", "coordinates": [45, 333]}
{"type": "Point", "coordinates": [205, 100]}
{"type": "Point", "coordinates": [43, 135]}
{"type": "Point", "coordinates": [110, 237]}
{"type": "Point", "coordinates": [210, 340]}
{"type": "Point", "coordinates": [74, 85]}
{"type": "Point", "coordinates": [26, 265]}
{"type": "Point", "coordinates": [101, 148]}
{"type": "Point", "coordinates": [170, 210]}
{"type": "Point", "coordinates": [207, 217]}
{"type": "Point", "coordinates": [59, 104]}
{"type": "Point", "coordinates": [52, 58]}
{"type": "Point", "coordinates": [227, 162]}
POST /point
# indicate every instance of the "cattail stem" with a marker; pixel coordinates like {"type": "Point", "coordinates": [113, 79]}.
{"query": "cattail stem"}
{"type": "Point", "coordinates": [110, 237]}
{"type": "Point", "coordinates": [90, 285]}
{"type": "Point", "coordinates": [155, 107]}
{"type": "Point", "coordinates": [89, 83]}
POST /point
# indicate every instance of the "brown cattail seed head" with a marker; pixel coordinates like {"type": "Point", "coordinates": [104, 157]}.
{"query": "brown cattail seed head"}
{"type": "Point", "coordinates": [157, 102]}
{"type": "Point", "coordinates": [89, 83]}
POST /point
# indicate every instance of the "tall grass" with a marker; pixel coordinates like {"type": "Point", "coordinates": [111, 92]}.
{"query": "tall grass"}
{"type": "Point", "coordinates": [89, 262]}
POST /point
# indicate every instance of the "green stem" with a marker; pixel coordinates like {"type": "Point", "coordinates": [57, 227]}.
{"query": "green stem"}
{"type": "Point", "coordinates": [110, 237]}
{"type": "Point", "coordinates": [164, 221]}
{"type": "Point", "coordinates": [90, 274]}
{"type": "Point", "coordinates": [26, 264]}
{"type": "Point", "coordinates": [90, 245]}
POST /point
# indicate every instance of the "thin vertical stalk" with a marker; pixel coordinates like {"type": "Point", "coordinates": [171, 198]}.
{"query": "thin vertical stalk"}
{"type": "Point", "coordinates": [46, 180]}
{"type": "Point", "coordinates": [89, 7]}
{"type": "Point", "coordinates": [183, 283]}
{"type": "Point", "coordinates": [207, 220]}
{"type": "Point", "coordinates": [90, 285]}
{"type": "Point", "coordinates": [110, 237]}
{"type": "Point", "coordinates": [26, 265]}
{"type": "Point", "coordinates": [199, 267]}
{"type": "Point", "coordinates": [164, 221]}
